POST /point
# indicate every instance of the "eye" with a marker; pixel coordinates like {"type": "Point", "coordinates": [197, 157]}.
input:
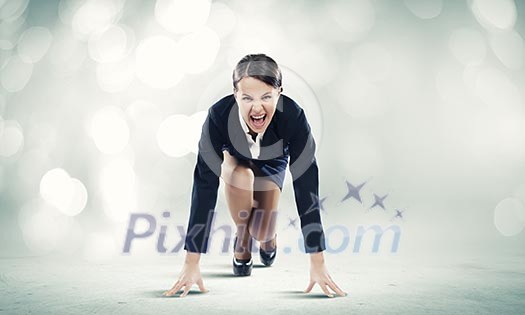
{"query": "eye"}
{"type": "Point", "coordinates": [246, 98]}
{"type": "Point", "coordinates": [267, 97]}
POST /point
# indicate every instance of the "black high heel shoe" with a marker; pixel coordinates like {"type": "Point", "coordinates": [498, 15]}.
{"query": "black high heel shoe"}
{"type": "Point", "coordinates": [267, 258]}
{"type": "Point", "coordinates": [241, 267]}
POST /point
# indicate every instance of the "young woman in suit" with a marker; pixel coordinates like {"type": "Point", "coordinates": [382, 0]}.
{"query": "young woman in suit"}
{"type": "Point", "coordinates": [248, 139]}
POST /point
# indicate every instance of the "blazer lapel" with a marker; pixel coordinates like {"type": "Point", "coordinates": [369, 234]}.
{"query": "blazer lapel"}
{"type": "Point", "coordinates": [236, 133]}
{"type": "Point", "coordinates": [271, 144]}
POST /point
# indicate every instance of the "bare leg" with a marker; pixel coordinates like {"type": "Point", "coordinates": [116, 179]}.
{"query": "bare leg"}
{"type": "Point", "coordinates": [263, 220]}
{"type": "Point", "coordinates": [239, 180]}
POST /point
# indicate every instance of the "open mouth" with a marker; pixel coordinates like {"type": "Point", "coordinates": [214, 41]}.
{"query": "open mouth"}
{"type": "Point", "coordinates": [258, 120]}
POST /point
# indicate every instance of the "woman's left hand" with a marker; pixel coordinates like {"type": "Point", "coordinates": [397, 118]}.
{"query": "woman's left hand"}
{"type": "Point", "coordinates": [319, 274]}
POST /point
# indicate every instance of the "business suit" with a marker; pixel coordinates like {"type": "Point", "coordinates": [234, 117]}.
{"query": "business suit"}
{"type": "Point", "coordinates": [287, 136]}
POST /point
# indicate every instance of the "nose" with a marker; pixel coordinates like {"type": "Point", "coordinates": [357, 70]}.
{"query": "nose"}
{"type": "Point", "coordinates": [257, 108]}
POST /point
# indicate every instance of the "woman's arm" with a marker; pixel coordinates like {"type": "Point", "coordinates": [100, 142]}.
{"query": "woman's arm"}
{"type": "Point", "coordinates": [305, 173]}
{"type": "Point", "coordinates": [203, 201]}
{"type": "Point", "coordinates": [205, 185]}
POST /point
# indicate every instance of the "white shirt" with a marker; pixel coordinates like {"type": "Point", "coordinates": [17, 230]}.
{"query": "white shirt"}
{"type": "Point", "coordinates": [255, 146]}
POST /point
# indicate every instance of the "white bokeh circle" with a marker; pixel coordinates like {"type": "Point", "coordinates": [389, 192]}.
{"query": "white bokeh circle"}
{"type": "Point", "coordinates": [509, 216]}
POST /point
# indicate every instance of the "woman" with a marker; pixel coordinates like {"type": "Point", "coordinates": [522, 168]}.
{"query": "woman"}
{"type": "Point", "coordinates": [246, 140]}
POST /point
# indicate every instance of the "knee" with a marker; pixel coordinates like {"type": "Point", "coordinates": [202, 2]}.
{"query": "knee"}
{"type": "Point", "coordinates": [260, 236]}
{"type": "Point", "coordinates": [257, 236]}
{"type": "Point", "coordinates": [261, 225]}
{"type": "Point", "coordinates": [239, 178]}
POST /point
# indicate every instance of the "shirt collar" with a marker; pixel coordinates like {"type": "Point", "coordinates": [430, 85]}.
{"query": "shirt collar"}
{"type": "Point", "coordinates": [246, 129]}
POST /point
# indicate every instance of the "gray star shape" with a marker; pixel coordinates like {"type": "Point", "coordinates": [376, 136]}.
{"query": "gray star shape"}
{"type": "Point", "coordinates": [316, 203]}
{"type": "Point", "coordinates": [379, 201]}
{"type": "Point", "coordinates": [353, 191]}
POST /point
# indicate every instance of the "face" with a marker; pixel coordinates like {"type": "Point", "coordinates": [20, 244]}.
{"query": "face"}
{"type": "Point", "coordinates": [257, 102]}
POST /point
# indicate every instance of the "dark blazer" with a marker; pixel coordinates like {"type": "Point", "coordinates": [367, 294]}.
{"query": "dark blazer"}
{"type": "Point", "coordinates": [287, 134]}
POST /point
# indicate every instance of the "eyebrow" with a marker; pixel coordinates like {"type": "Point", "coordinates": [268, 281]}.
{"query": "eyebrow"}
{"type": "Point", "coordinates": [251, 96]}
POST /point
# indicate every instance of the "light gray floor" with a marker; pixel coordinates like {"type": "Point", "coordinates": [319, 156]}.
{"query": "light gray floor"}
{"type": "Point", "coordinates": [386, 284]}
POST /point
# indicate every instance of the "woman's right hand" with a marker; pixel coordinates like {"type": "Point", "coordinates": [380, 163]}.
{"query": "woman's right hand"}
{"type": "Point", "coordinates": [189, 275]}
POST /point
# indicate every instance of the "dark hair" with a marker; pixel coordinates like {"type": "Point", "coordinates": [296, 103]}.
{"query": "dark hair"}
{"type": "Point", "coordinates": [258, 66]}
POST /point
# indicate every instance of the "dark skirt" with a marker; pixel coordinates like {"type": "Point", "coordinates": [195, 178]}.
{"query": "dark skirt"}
{"type": "Point", "coordinates": [274, 169]}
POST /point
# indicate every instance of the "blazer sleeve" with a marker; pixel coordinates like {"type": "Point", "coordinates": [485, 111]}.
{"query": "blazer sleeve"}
{"type": "Point", "coordinates": [205, 186]}
{"type": "Point", "coordinates": [305, 175]}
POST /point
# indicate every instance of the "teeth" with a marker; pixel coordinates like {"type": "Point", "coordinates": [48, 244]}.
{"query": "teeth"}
{"type": "Point", "coordinates": [258, 117]}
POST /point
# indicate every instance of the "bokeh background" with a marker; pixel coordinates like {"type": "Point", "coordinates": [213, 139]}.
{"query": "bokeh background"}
{"type": "Point", "coordinates": [102, 103]}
